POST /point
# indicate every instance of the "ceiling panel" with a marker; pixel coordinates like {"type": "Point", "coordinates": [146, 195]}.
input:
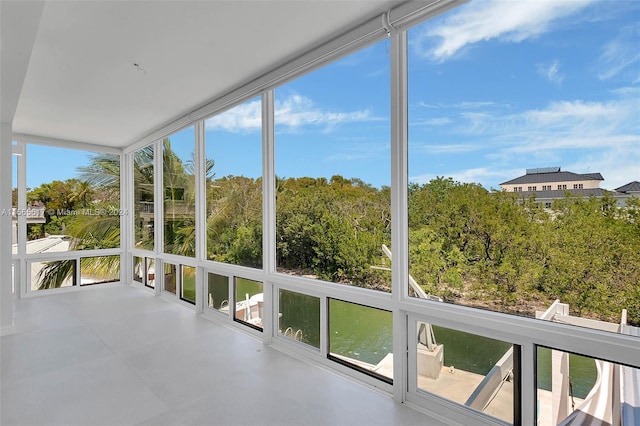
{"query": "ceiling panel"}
{"type": "Point", "coordinates": [81, 83]}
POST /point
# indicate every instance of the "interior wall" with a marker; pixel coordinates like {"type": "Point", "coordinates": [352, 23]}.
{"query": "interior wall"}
{"type": "Point", "coordinates": [6, 298]}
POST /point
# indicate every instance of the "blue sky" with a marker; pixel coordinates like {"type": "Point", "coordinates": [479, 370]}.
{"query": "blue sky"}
{"type": "Point", "coordinates": [495, 87]}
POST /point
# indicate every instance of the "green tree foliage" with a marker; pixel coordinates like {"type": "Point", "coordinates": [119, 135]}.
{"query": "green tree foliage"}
{"type": "Point", "coordinates": [495, 250]}
{"type": "Point", "coordinates": [333, 229]}
{"type": "Point", "coordinates": [61, 199]}
{"type": "Point", "coordinates": [466, 244]}
{"type": "Point", "coordinates": [234, 220]}
{"type": "Point", "coordinates": [85, 209]}
{"type": "Point", "coordinates": [143, 196]}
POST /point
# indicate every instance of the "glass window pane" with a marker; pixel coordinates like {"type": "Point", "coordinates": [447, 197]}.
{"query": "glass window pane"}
{"type": "Point", "coordinates": [332, 161]}
{"type": "Point", "coordinates": [249, 302]}
{"type": "Point", "coordinates": [14, 203]}
{"type": "Point", "coordinates": [138, 269]}
{"type": "Point", "coordinates": [472, 370]}
{"type": "Point", "coordinates": [575, 389]}
{"type": "Point", "coordinates": [361, 337]}
{"type": "Point", "coordinates": [179, 193]}
{"type": "Point", "coordinates": [14, 277]}
{"type": "Point", "coordinates": [170, 277]}
{"type": "Point", "coordinates": [78, 205]}
{"type": "Point", "coordinates": [188, 285]}
{"type": "Point", "coordinates": [99, 269]}
{"type": "Point", "coordinates": [143, 193]}
{"type": "Point", "coordinates": [52, 274]}
{"type": "Point", "coordinates": [300, 317]}
{"type": "Point", "coordinates": [218, 292]}
{"type": "Point", "coordinates": [522, 154]}
{"type": "Point", "coordinates": [151, 272]}
{"type": "Point", "coordinates": [234, 188]}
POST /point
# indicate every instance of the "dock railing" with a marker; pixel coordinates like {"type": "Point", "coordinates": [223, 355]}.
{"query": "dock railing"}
{"type": "Point", "coordinates": [484, 393]}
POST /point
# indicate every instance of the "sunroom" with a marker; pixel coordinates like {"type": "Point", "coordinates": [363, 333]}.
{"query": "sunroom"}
{"type": "Point", "coordinates": [288, 212]}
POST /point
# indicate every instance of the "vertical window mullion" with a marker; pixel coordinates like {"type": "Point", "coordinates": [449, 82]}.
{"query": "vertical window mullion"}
{"type": "Point", "coordinates": [158, 213]}
{"type": "Point", "coordinates": [399, 209]}
{"type": "Point", "coordinates": [127, 225]}
{"type": "Point", "coordinates": [268, 214]}
{"type": "Point", "coordinates": [201, 214]}
{"type": "Point", "coordinates": [528, 386]}
{"type": "Point", "coordinates": [24, 282]}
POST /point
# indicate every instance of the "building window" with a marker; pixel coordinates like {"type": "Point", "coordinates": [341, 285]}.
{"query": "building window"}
{"type": "Point", "coordinates": [546, 187]}
{"type": "Point", "coordinates": [466, 260]}
{"type": "Point", "coordinates": [299, 317]}
{"type": "Point", "coordinates": [76, 207]}
{"type": "Point", "coordinates": [143, 192]}
{"type": "Point", "coordinates": [570, 378]}
{"type": "Point", "coordinates": [179, 193]}
{"type": "Point", "coordinates": [360, 337]}
{"type": "Point", "coordinates": [170, 277]}
{"type": "Point", "coordinates": [578, 186]}
{"type": "Point", "coordinates": [99, 269]}
{"type": "Point", "coordinates": [188, 284]}
{"type": "Point", "coordinates": [490, 367]}
{"type": "Point", "coordinates": [234, 188]}
{"type": "Point", "coordinates": [249, 298]}
{"type": "Point", "coordinates": [218, 292]}
{"type": "Point", "coordinates": [333, 198]}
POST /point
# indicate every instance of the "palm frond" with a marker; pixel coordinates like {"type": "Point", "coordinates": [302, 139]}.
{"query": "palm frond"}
{"type": "Point", "coordinates": [54, 274]}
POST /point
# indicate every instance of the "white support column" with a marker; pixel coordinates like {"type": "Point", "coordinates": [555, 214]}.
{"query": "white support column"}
{"type": "Point", "coordinates": [23, 279]}
{"type": "Point", "coordinates": [127, 225]}
{"type": "Point", "coordinates": [201, 213]}
{"type": "Point", "coordinates": [399, 226]}
{"type": "Point", "coordinates": [158, 213]}
{"type": "Point", "coordinates": [528, 391]}
{"type": "Point", "coordinates": [560, 385]}
{"type": "Point", "coordinates": [6, 298]}
{"type": "Point", "coordinates": [268, 214]}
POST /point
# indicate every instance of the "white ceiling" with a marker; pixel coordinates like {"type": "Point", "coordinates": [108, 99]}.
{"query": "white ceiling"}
{"type": "Point", "coordinates": [81, 85]}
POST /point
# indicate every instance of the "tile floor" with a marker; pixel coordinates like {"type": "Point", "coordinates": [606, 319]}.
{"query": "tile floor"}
{"type": "Point", "coordinates": [117, 355]}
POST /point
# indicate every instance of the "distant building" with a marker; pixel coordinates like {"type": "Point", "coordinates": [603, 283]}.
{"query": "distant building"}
{"type": "Point", "coordinates": [627, 191]}
{"type": "Point", "coordinates": [551, 183]}
{"type": "Point", "coordinates": [33, 213]}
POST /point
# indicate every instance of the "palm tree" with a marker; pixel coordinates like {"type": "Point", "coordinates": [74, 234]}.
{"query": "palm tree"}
{"type": "Point", "coordinates": [95, 232]}
{"type": "Point", "coordinates": [100, 178]}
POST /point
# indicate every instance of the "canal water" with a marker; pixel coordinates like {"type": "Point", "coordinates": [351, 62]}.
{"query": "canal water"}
{"type": "Point", "coordinates": [365, 334]}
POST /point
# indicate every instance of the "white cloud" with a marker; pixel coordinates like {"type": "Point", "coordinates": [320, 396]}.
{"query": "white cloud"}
{"type": "Point", "coordinates": [560, 125]}
{"type": "Point", "coordinates": [551, 72]}
{"type": "Point", "coordinates": [293, 112]}
{"type": "Point", "coordinates": [458, 105]}
{"type": "Point", "coordinates": [446, 148]}
{"type": "Point", "coordinates": [436, 121]}
{"type": "Point", "coordinates": [360, 150]}
{"type": "Point", "coordinates": [506, 21]}
{"type": "Point", "coordinates": [574, 134]}
{"type": "Point", "coordinates": [620, 54]}
{"type": "Point", "coordinates": [297, 111]}
{"type": "Point", "coordinates": [617, 165]}
{"type": "Point", "coordinates": [576, 124]}
{"type": "Point", "coordinates": [473, 175]}
{"type": "Point", "coordinates": [243, 118]}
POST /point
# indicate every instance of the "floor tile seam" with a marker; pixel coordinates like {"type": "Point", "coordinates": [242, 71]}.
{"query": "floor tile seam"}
{"type": "Point", "coordinates": [121, 356]}
{"type": "Point", "coordinates": [11, 382]}
{"type": "Point", "coordinates": [129, 373]}
{"type": "Point", "coordinates": [133, 372]}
